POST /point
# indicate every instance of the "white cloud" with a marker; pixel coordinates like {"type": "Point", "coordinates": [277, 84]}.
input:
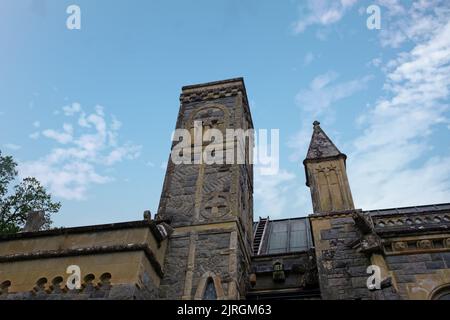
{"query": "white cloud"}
{"type": "Point", "coordinates": [385, 166]}
{"type": "Point", "coordinates": [418, 22]}
{"type": "Point", "coordinates": [317, 102]}
{"type": "Point", "coordinates": [321, 12]}
{"type": "Point", "coordinates": [323, 92]}
{"type": "Point", "coordinates": [376, 62]}
{"type": "Point", "coordinates": [272, 192]}
{"type": "Point", "coordinates": [12, 146]}
{"type": "Point", "coordinates": [127, 151]}
{"type": "Point", "coordinates": [74, 108]}
{"type": "Point", "coordinates": [64, 137]}
{"type": "Point", "coordinates": [81, 153]}
{"type": "Point", "coordinates": [394, 161]}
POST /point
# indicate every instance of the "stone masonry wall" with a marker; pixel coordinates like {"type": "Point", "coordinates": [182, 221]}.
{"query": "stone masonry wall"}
{"type": "Point", "coordinates": [418, 275]}
{"type": "Point", "coordinates": [175, 266]}
{"type": "Point", "coordinates": [195, 256]}
{"type": "Point", "coordinates": [342, 270]}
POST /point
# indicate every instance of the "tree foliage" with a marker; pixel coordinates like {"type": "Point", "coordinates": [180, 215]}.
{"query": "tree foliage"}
{"type": "Point", "coordinates": [28, 195]}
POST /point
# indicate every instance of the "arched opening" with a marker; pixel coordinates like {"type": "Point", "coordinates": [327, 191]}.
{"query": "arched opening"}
{"type": "Point", "coordinates": [88, 285]}
{"type": "Point", "coordinates": [40, 285]}
{"type": "Point", "coordinates": [210, 290]}
{"type": "Point", "coordinates": [209, 287]}
{"type": "Point", "coordinates": [89, 278]}
{"type": "Point", "coordinates": [442, 293]}
{"type": "Point", "coordinates": [56, 284]}
{"type": "Point", "coordinates": [4, 287]}
{"type": "Point", "coordinates": [106, 277]}
{"type": "Point", "coordinates": [105, 281]}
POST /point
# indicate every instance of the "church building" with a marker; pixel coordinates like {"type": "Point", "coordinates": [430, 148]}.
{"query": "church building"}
{"type": "Point", "coordinates": [205, 242]}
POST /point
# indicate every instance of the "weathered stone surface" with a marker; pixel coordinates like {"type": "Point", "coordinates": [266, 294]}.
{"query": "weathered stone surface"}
{"type": "Point", "coordinates": [206, 221]}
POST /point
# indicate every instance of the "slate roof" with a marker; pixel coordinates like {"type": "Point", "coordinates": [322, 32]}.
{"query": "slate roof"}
{"type": "Point", "coordinates": [442, 207]}
{"type": "Point", "coordinates": [321, 145]}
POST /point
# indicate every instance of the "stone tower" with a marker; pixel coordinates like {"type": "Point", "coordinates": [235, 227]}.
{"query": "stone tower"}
{"type": "Point", "coordinates": [210, 206]}
{"type": "Point", "coordinates": [326, 174]}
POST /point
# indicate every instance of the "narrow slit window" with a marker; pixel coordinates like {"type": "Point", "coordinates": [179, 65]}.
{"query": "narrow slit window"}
{"type": "Point", "coordinates": [210, 291]}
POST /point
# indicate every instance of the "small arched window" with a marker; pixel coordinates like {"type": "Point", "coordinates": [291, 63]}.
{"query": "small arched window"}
{"type": "Point", "coordinates": [210, 290]}
{"type": "Point", "coordinates": [40, 285]}
{"type": "Point", "coordinates": [4, 286]}
{"type": "Point", "coordinates": [442, 293]}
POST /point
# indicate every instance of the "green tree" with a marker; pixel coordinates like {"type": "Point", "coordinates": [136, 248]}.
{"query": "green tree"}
{"type": "Point", "coordinates": [28, 195]}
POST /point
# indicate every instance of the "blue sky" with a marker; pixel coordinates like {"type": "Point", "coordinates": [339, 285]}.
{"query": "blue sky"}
{"type": "Point", "coordinates": [90, 112]}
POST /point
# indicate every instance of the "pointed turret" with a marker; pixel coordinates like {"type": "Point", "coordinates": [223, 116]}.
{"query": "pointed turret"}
{"type": "Point", "coordinates": [326, 174]}
{"type": "Point", "coordinates": [321, 146]}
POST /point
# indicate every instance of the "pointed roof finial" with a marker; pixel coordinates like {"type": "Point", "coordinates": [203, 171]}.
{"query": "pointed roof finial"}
{"type": "Point", "coordinates": [321, 146]}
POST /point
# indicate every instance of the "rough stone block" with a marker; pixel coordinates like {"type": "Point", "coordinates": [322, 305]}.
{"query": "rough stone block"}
{"type": "Point", "coordinates": [329, 234]}
{"type": "Point", "coordinates": [419, 257]}
{"type": "Point", "coordinates": [434, 265]}
{"type": "Point", "coordinates": [337, 282]}
{"type": "Point", "coordinates": [397, 259]}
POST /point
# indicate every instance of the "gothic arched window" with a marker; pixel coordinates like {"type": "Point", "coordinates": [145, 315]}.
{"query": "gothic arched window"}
{"type": "Point", "coordinates": [210, 290]}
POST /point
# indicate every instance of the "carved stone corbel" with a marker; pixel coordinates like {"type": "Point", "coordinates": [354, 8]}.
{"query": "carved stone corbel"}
{"type": "Point", "coordinates": [369, 242]}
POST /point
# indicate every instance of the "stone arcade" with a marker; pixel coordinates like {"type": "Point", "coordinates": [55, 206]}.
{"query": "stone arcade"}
{"type": "Point", "coordinates": [204, 242]}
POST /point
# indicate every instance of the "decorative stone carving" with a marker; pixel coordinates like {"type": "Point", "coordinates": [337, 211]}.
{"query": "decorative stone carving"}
{"type": "Point", "coordinates": [148, 215]}
{"type": "Point", "coordinates": [211, 117]}
{"type": "Point", "coordinates": [165, 230]}
{"type": "Point", "coordinates": [217, 206]}
{"type": "Point", "coordinates": [310, 277]}
{"type": "Point", "coordinates": [400, 246]}
{"type": "Point", "coordinates": [362, 222]}
{"type": "Point", "coordinates": [421, 221]}
{"type": "Point", "coordinates": [447, 242]}
{"type": "Point", "coordinates": [278, 272]}
{"type": "Point", "coordinates": [214, 93]}
{"type": "Point", "coordinates": [424, 244]}
{"type": "Point", "coordinates": [371, 243]}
